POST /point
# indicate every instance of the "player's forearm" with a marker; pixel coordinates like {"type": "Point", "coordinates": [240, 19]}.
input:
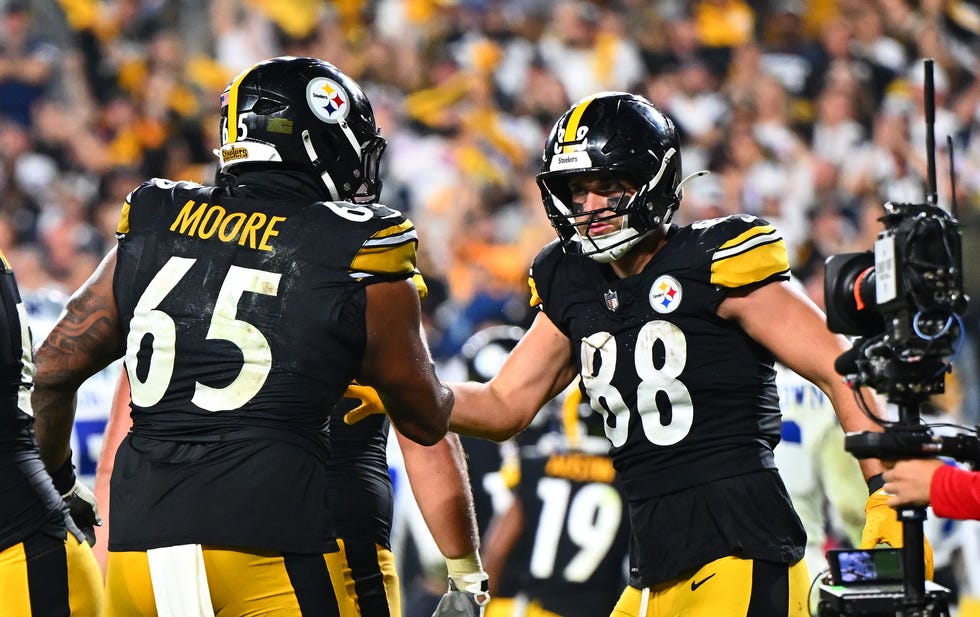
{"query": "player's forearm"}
{"type": "Point", "coordinates": [441, 487]}
{"type": "Point", "coordinates": [480, 411]}
{"type": "Point", "coordinates": [854, 419]}
{"type": "Point", "coordinates": [53, 402]}
{"type": "Point", "coordinates": [53, 417]}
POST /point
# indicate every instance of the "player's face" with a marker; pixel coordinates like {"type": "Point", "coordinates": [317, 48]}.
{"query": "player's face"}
{"type": "Point", "coordinates": [599, 197]}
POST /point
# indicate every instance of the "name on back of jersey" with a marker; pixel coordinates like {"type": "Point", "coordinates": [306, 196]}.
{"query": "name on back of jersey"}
{"type": "Point", "coordinates": [581, 468]}
{"type": "Point", "coordinates": [205, 221]}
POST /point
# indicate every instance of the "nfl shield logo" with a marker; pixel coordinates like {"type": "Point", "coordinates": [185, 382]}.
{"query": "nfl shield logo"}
{"type": "Point", "coordinates": [612, 300]}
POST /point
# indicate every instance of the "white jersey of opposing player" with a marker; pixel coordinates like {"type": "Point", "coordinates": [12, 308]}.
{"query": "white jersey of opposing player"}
{"type": "Point", "coordinates": [824, 480]}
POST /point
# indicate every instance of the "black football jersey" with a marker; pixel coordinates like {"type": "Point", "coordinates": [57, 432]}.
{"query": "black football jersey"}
{"type": "Point", "coordinates": [244, 320]}
{"type": "Point", "coordinates": [572, 550]}
{"type": "Point", "coordinates": [28, 500]}
{"type": "Point", "coordinates": [687, 398]}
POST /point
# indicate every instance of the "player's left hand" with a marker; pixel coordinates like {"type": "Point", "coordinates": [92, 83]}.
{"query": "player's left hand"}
{"type": "Point", "coordinates": [470, 601]}
{"type": "Point", "coordinates": [370, 402]}
{"type": "Point", "coordinates": [882, 526]}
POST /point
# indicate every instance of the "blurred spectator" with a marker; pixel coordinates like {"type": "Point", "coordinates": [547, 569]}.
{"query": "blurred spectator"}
{"type": "Point", "coordinates": [586, 49]}
{"type": "Point", "coordinates": [723, 24]}
{"type": "Point", "coordinates": [27, 62]}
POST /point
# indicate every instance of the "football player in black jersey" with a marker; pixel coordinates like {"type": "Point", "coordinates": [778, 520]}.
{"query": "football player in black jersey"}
{"type": "Point", "coordinates": [361, 499]}
{"type": "Point", "coordinates": [674, 331]}
{"type": "Point", "coordinates": [243, 311]}
{"type": "Point", "coordinates": [46, 563]}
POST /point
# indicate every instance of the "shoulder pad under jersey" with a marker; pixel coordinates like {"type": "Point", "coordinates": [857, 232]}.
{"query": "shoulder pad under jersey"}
{"type": "Point", "coordinates": [155, 186]}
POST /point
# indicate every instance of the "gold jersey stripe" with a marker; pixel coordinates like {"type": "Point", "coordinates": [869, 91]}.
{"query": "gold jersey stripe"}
{"type": "Point", "coordinates": [390, 259]}
{"type": "Point", "coordinates": [123, 226]}
{"type": "Point", "coordinates": [405, 226]}
{"type": "Point", "coordinates": [3, 260]}
{"type": "Point", "coordinates": [744, 240]}
{"type": "Point", "coordinates": [571, 129]}
{"type": "Point", "coordinates": [756, 262]}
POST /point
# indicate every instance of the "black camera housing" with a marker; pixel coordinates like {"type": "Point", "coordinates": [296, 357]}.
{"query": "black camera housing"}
{"type": "Point", "coordinates": [904, 299]}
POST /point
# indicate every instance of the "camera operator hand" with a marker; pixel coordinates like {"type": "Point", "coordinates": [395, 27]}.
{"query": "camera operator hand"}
{"type": "Point", "coordinates": [953, 492]}
{"type": "Point", "coordinates": [883, 527]}
{"type": "Point", "coordinates": [908, 482]}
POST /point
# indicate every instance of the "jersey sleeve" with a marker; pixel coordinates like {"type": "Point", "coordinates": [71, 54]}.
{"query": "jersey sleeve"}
{"type": "Point", "coordinates": [390, 253]}
{"type": "Point", "coordinates": [747, 250]}
{"type": "Point", "coordinates": [543, 273]}
{"type": "Point", "coordinates": [123, 224]}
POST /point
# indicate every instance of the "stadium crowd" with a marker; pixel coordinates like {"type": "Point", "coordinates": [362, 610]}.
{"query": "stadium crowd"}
{"type": "Point", "coordinates": [808, 114]}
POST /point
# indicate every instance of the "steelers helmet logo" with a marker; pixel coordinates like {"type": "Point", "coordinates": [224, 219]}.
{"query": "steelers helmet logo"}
{"type": "Point", "coordinates": [328, 100]}
{"type": "Point", "coordinates": [665, 295]}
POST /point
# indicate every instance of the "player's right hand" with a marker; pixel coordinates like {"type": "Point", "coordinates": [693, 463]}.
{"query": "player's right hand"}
{"type": "Point", "coordinates": [84, 509]}
{"type": "Point", "coordinates": [81, 502]}
{"type": "Point", "coordinates": [370, 402]}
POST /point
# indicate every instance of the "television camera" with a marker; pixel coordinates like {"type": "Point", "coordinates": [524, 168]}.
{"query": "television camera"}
{"type": "Point", "coordinates": [903, 301]}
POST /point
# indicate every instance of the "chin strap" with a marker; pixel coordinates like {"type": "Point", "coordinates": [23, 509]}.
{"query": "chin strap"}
{"type": "Point", "coordinates": [315, 160]}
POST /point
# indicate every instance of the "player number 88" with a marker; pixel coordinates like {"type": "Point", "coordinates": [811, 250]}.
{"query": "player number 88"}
{"type": "Point", "coordinates": [662, 427]}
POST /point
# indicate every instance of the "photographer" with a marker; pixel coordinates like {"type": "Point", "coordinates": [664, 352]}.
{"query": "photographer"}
{"type": "Point", "coordinates": [953, 492]}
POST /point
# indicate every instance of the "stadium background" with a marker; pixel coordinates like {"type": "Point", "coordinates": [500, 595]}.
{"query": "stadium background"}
{"type": "Point", "coordinates": [807, 113]}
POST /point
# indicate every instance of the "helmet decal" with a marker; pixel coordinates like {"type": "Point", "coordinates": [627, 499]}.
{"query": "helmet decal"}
{"type": "Point", "coordinates": [229, 99]}
{"type": "Point", "coordinates": [328, 100]}
{"type": "Point", "coordinates": [573, 137]}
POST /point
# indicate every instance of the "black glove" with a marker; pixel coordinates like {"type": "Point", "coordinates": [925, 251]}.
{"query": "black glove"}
{"type": "Point", "coordinates": [467, 603]}
{"type": "Point", "coordinates": [82, 506]}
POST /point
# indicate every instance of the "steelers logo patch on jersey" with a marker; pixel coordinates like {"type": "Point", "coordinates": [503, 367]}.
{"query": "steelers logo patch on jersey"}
{"type": "Point", "coordinates": [328, 100]}
{"type": "Point", "coordinates": [665, 295]}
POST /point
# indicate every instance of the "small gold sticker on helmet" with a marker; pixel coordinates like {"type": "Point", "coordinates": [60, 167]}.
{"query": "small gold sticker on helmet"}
{"type": "Point", "coordinates": [280, 125]}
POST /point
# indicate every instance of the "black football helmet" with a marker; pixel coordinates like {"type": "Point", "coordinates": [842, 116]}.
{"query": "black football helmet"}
{"type": "Point", "coordinates": [619, 136]}
{"type": "Point", "coordinates": [303, 113]}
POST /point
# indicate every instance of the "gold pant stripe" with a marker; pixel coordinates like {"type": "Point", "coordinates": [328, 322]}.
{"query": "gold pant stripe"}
{"type": "Point", "coordinates": [14, 588]}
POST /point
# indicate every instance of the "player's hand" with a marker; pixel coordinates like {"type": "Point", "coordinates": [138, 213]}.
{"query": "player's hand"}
{"type": "Point", "coordinates": [470, 601]}
{"type": "Point", "coordinates": [882, 526]}
{"type": "Point", "coordinates": [84, 509]}
{"type": "Point", "coordinates": [370, 402]}
{"type": "Point", "coordinates": [82, 505]}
